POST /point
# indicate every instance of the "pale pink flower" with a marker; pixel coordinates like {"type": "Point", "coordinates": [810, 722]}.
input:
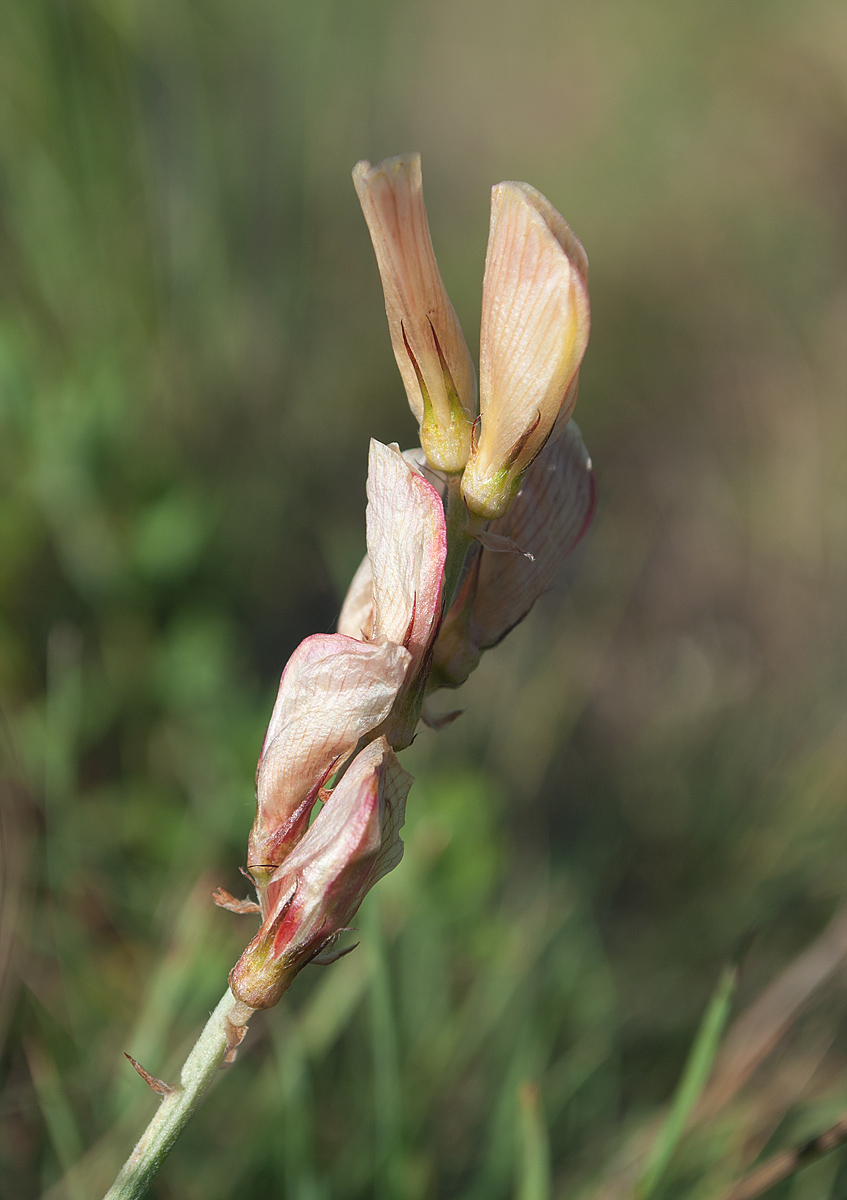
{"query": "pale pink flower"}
{"type": "Point", "coordinates": [312, 896]}
{"type": "Point", "coordinates": [428, 342]}
{"type": "Point", "coordinates": [535, 325]}
{"type": "Point", "coordinates": [333, 692]}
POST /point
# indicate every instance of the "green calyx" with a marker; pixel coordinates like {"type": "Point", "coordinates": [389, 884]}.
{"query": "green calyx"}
{"type": "Point", "coordinates": [492, 496]}
{"type": "Point", "coordinates": [445, 435]}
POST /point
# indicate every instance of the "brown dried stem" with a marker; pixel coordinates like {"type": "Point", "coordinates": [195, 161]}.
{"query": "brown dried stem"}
{"type": "Point", "coordinates": [787, 1163]}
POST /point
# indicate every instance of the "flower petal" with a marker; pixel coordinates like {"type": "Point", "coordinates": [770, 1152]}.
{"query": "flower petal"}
{"type": "Point", "coordinates": [356, 618]}
{"type": "Point", "coordinates": [428, 342]}
{"type": "Point", "coordinates": [535, 324]}
{"type": "Point", "coordinates": [407, 548]}
{"type": "Point", "coordinates": [359, 825]}
{"type": "Point", "coordinates": [333, 691]}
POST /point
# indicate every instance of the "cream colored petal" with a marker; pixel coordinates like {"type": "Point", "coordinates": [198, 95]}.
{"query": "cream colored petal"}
{"type": "Point", "coordinates": [356, 619]}
{"type": "Point", "coordinates": [558, 226]}
{"type": "Point", "coordinates": [333, 691]}
{"type": "Point", "coordinates": [535, 320]}
{"type": "Point", "coordinates": [551, 513]}
{"type": "Point", "coordinates": [346, 830]}
{"type": "Point", "coordinates": [535, 325]}
{"type": "Point", "coordinates": [421, 318]}
{"type": "Point", "coordinates": [407, 546]}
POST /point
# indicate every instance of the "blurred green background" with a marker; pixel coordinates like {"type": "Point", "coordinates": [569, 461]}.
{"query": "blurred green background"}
{"type": "Point", "coordinates": [650, 773]}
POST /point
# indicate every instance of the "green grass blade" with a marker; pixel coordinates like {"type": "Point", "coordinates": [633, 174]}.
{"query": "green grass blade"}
{"type": "Point", "coordinates": [386, 1062]}
{"type": "Point", "coordinates": [691, 1085]}
{"type": "Point", "coordinates": [533, 1174]}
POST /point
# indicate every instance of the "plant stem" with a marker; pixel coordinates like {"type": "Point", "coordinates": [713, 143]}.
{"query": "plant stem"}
{"type": "Point", "coordinates": [459, 539]}
{"type": "Point", "coordinates": [198, 1072]}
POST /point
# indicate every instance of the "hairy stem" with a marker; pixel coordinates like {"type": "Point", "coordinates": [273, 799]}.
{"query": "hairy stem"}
{"type": "Point", "coordinates": [221, 1034]}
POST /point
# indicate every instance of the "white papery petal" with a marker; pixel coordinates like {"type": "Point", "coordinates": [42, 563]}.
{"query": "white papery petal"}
{"type": "Point", "coordinates": [312, 896]}
{"type": "Point", "coordinates": [407, 547]}
{"type": "Point", "coordinates": [395, 789]}
{"type": "Point", "coordinates": [535, 320]}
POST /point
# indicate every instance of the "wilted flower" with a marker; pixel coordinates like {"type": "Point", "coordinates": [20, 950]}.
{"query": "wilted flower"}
{"type": "Point", "coordinates": [333, 692]}
{"type": "Point", "coordinates": [550, 514]}
{"type": "Point", "coordinates": [535, 323]}
{"type": "Point", "coordinates": [428, 342]}
{"type": "Point", "coordinates": [309, 900]}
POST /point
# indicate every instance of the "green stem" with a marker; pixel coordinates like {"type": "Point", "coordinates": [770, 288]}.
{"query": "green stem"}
{"type": "Point", "coordinates": [201, 1067]}
{"type": "Point", "coordinates": [459, 539]}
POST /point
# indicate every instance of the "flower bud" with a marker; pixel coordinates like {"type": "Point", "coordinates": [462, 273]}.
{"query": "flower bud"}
{"type": "Point", "coordinates": [312, 896]}
{"type": "Point", "coordinates": [428, 342]}
{"type": "Point", "coordinates": [535, 324]}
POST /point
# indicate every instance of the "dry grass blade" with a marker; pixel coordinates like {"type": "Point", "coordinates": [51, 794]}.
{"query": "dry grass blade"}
{"type": "Point", "coordinates": [12, 863]}
{"type": "Point", "coordinates": [787, 1163]}
{"type": "Point", "coordinates": [757, 1030]}
{"type": "Point", "coordinates": [750, 1039]}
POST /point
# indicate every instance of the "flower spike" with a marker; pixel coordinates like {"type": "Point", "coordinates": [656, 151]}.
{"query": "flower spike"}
{"type": "Point", "coordinates": [475, 522]}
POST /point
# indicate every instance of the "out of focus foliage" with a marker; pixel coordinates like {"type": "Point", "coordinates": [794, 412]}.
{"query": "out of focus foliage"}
{"type": "Point", "coordinates": [650, 774]}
